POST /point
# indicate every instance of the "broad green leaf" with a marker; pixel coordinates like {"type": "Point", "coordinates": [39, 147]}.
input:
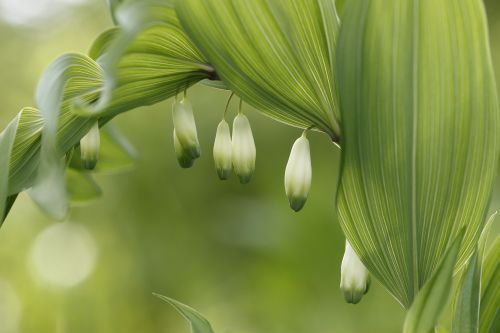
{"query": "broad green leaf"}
{"type": "Point", "coordinates": [419, 119]}
{"type": "Point", "coordinates": [197, 322]}
{"type": "Point", "coordinates": [490, 294]}
{"type": "Point", "coordinates": [466, 310]}
{"type": "Point", "coordinates": [146, 60]}
{"type": "Point", "coordinates": [81, 187]}
{"type": "Point", "coordinates": [432, 299]}
{"type": "Point", "coordinates": [277, 55]}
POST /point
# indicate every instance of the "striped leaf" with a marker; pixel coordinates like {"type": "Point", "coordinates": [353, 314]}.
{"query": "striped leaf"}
{"type": "Point", "coordinates": [277, 55]}
{"type": "Point", "coordinates": [489, 321]}
{"type": "Point", "coordinates": [419, 111]}
{"type": "Point", "coordinates": [467, 305]}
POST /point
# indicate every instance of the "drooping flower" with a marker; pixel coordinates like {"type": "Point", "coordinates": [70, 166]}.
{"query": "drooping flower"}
{"type": "Point", "coordinates": [355, 278]}
{"type": "Point", "coordinates": [298, 173]}
{"type": "Point", "coordinates": [89, 147]}
{"type": "Point", "coordinates": [185, 161]}
{"type": "Point", "coordinates": [223, 151]}
{"type": "Point", "coordinates": [185, 126]}
{"type": "Point", "coordinates": [243, 149]}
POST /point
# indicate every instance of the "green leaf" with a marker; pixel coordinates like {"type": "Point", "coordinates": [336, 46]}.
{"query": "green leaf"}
{"type": "Point", "coordinates": [466, 310]}
{"type": "Point", "coordinates": [279, 56]}
{"type": "Point", "coordinates": [146, 60]}
{"type": "Point", "coordinates": [490, 294]}
{"type": "Point", "coordinates": [81, 187]}
{"type": "Point", "coordinates": [419, 119]}
{"type": "Point", "coordinates": [466, 316]}
{"type": "Point", "coordinates": [197, 322]}
{"type": "Point", "coordinates": [432, 299]}
{"type": "Point", "coordinates": [7, 138]}
{"type": "Point", "coordinates": [10, 202]}
{"type": "Point", "coordinates": [54, 87]}
{"type": "Point", "coordinates": [103, 42]}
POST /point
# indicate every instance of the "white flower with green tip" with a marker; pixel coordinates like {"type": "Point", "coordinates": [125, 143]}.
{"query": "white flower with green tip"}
{"type": "Point", "coordinates": [185, 161]}
{"type": "Point", "coordinates": [89, 147]}
{"type": "Point", "coordinates": [185, 127]}
{"type": "Point", "coordinates": [298, 173]}
{"type": "Point", "coordinates": [243, 148]}
{"type": "Point", "coordinates": [223, 151]}
{"type": "Point", "coordinates": [355, 278]}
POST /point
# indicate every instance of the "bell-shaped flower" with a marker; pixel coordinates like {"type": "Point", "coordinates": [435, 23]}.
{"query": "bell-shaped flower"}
{"type": "Point", "coordinates": [89, 147]}
{"type": "Point", "coordinates": [185, 161]}
{"type": "Point", "coordinates": [355, 278]}
{"type": "Point", "coordinates": [223, 151]}
{"type": "Point", "coordinates": [298, 173]}
{"type": "Point", "coordinates": [185, 126]}
{"type": "Point", "coordinates": [243, 151]}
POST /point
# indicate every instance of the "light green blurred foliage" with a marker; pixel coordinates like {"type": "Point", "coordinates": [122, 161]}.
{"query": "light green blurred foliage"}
{"type": "Point", "coordinates": [236, 253]}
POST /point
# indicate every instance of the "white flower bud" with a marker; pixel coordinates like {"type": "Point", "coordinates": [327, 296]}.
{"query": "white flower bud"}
{"type": "Point", "coordinates": [185, 127]}
{"type": "Point", "coordinates": [243, 149]}
{"type": "Point", "coordinates": [89, 147]}
{"type": "Point", "coordinates": [185, 161]}
{"type": "Point", "coordinates": [355, 278]}
{"type": "Point", "coordinates": [298, 173]}
{"type": "Point", "coordinates": [223, 151]}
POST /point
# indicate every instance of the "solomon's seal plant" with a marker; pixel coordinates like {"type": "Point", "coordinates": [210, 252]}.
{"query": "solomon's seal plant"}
{"type": "Point", "coordinates": [404, 87]}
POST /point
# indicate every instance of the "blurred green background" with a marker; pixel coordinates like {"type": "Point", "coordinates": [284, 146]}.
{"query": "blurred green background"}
{"type": "Point", "coordinates": [236, 253]}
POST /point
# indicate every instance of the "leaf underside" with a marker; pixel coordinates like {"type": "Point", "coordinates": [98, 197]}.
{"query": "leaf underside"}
{"type": "Point", "coordinates": [277, 55]}
{"type": "Point", "coordinates": [419, 111]}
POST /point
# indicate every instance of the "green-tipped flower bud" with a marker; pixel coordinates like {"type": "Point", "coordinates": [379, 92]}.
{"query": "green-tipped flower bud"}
{"type": "Point", "coordinates": [243, 149]}
{"type": "Point", "coordinates": [223, 151]}
{"type": "Point", "coordinates": [185, 161]}
{"type": "Point", "coordinates": [298, 173]}
{"type": "Point", "coordinates": [89, 147]}
{"type": "Point", "coordinates": [355, 278]}
{"type": "Point", "coordinates": [185, 127]}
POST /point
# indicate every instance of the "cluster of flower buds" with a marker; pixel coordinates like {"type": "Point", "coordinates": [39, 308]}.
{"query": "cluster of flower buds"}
{"type": "Point", "coordinates": [186, 144]}
{"type": "Point", "coordinates": [236, 153]}
{"type": "Point", "coordinates": [355, 278]}
{"type": "Point", "coordinates": [89, 147]}
{"type": "Point", "coordinates": [298, 173]}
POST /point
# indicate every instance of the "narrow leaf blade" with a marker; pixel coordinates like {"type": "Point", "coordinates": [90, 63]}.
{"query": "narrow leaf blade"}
{"type": "Point", "coordinates": [431, 300]}
{"type": "Point", "coordinates": [197, 322]}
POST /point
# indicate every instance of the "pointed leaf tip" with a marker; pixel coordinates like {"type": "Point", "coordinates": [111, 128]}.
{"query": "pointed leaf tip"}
{"type": "Point", "coordinates": [196, 320]}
